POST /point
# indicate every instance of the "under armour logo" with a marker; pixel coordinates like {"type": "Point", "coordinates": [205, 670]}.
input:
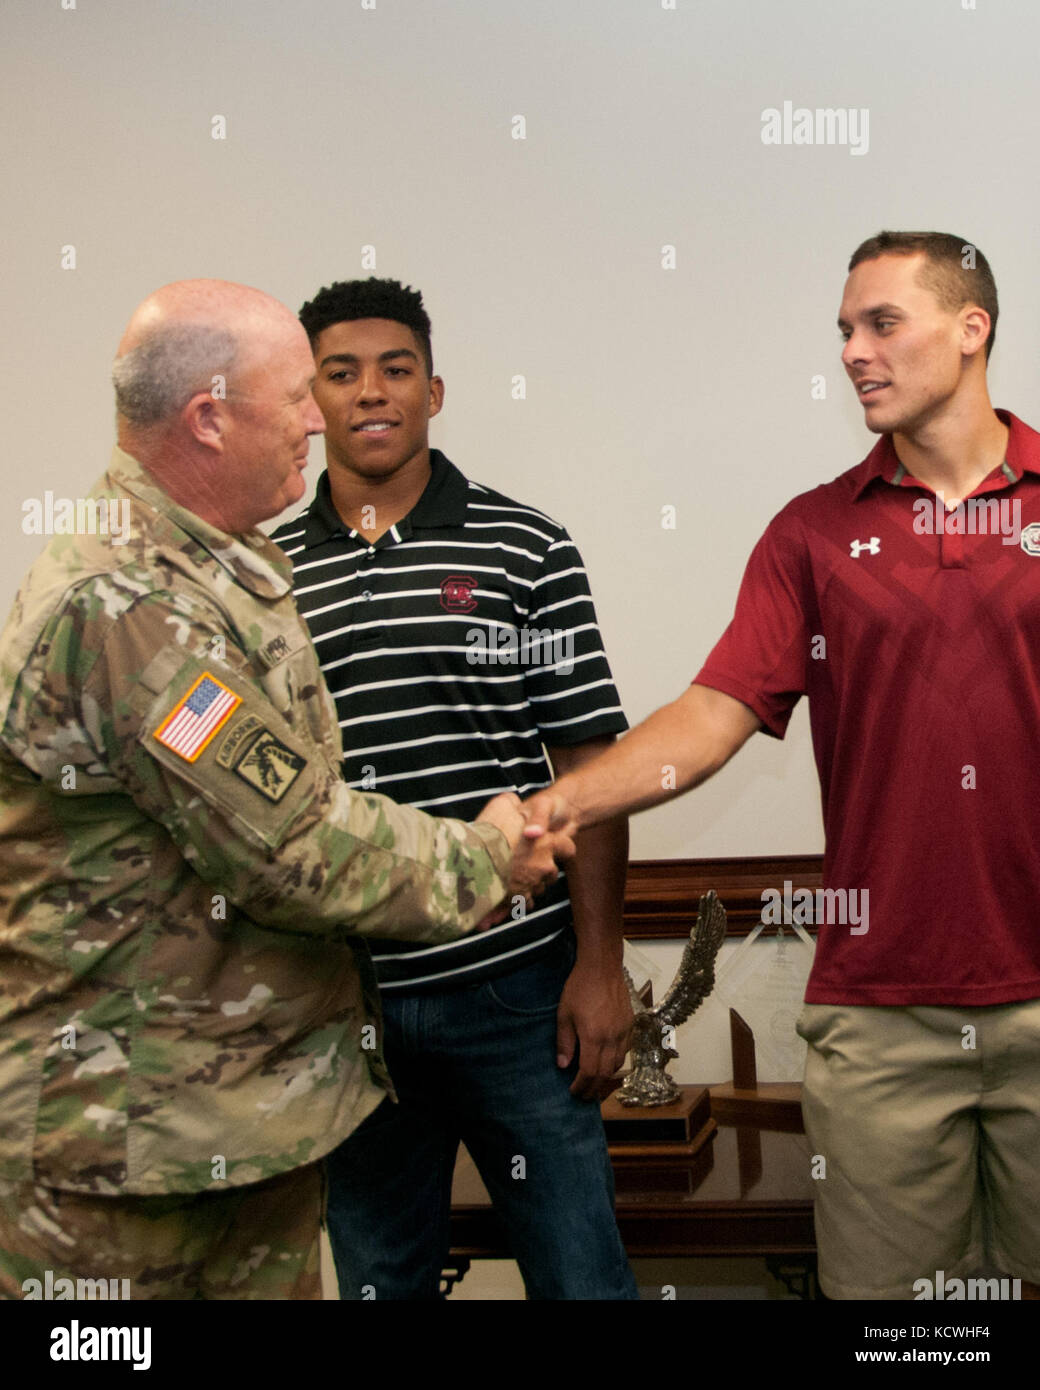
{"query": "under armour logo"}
{"type": "Point", "coordinates": [872, 547]}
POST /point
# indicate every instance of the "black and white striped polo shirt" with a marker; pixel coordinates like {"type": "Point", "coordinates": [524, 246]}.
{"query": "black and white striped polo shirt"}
{"type": "Point", "coordinates": [454, 647]}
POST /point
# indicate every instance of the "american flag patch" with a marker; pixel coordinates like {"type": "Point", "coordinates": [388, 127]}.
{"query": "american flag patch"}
{"type": "Point", "coordinates": [194, 720]}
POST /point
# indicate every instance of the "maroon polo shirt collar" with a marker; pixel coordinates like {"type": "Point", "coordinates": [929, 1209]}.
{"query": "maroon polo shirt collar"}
{"type": "Point", "coordinates": [1023, 456]}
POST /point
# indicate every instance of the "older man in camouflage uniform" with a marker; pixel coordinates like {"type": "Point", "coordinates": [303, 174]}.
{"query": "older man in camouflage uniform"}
{"type": "Point", "coordinates": [188, 1021]}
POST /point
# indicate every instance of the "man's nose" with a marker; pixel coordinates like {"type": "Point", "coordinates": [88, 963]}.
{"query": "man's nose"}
{"type": "Point", "coordinates": [371, 386]}
{"type": "Point", "coordinates": [314, 420]}
{"type": "Point", "coordinates": [855, 349]}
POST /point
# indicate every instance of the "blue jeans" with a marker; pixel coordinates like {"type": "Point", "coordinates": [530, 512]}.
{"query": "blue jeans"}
{"type": "Point", "coordinates": [478, 1064]}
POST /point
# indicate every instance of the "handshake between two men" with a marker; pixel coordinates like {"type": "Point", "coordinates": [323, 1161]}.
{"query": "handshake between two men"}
{"type": "Point", "coordinates": [696, 734]}
{"type": "Point", "coordinates": [535, 857]}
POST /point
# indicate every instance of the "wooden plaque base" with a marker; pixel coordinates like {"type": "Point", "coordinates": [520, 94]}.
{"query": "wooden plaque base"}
{"type": "Point", "coordinates": [775, 1105]}
{"type": "Point", "coordinates": [674, 1133]}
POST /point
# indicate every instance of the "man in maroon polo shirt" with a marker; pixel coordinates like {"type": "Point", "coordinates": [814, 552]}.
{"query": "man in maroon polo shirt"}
{"type": "Point", "coordinates": [903, 599]}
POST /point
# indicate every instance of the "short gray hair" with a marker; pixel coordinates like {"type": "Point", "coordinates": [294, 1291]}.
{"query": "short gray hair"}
{"type": "Point", "coordinates": [171, 364]}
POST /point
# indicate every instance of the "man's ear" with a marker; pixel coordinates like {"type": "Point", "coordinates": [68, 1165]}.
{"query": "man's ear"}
{"type": "Point", "coordinates": [974, 330]}
{"type": "Point", "coordinates": [436, 395]}
{"type": "Point", "coordinates": [206, 418]}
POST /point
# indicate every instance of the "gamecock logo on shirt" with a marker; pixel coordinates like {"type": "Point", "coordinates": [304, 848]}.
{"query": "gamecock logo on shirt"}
{"type": "Point", "coordinates": [457, 593]}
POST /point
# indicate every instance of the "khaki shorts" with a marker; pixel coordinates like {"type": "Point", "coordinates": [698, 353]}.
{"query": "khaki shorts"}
{"type": "Point", "coordinates": [259, 1241]}
{"type": "Point", "coordinates": [929, 1121]}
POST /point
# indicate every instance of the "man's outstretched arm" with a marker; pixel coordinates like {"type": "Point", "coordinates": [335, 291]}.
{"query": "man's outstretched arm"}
{"type": "Point", "coordinates": [675, 749]}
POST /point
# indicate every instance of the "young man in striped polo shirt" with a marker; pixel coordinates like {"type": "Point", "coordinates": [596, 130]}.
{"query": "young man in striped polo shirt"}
{"type": "Point", "coordinates": [457, 635]}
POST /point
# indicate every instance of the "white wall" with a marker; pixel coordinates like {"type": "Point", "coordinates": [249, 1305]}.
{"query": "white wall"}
{"type": "Point", "coordinates": [392, 126]}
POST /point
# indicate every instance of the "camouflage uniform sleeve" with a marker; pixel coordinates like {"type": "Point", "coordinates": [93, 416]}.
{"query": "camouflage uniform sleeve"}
{"type": "Point", "coordinates": [251, 799]}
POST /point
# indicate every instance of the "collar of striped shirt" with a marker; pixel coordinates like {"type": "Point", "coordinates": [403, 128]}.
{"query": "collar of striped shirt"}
{"type": "Point", "coordinates": [443, 503]}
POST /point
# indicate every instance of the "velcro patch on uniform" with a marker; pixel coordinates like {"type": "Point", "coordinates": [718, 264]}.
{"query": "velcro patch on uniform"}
{"type": "Point", "coordinates": [269, 766]}
{"type": "Point", "coordinates": [198, 717]}
{"type": "Point", "coordinates": [235, 737]}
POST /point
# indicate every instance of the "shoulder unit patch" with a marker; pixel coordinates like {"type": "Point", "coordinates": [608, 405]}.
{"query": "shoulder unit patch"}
{"type": "Point", "coordinates": [268, 766]}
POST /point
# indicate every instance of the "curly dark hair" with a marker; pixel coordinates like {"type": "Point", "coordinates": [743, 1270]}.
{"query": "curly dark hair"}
{"type": "Point", "coordinates": [369, 299]}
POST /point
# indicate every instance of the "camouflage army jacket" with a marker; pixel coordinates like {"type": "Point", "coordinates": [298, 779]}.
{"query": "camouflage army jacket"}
{"type": "Point", "coordinates": [184, 1002]}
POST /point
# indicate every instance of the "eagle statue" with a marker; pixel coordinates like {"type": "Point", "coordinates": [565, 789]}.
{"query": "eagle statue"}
{"type": "Point", "coordinates": [648, 1083]}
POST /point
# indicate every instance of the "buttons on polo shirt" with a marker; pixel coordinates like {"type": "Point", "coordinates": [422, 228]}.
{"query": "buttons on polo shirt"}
{"type": "Point", "coordinates": [367, 634]}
